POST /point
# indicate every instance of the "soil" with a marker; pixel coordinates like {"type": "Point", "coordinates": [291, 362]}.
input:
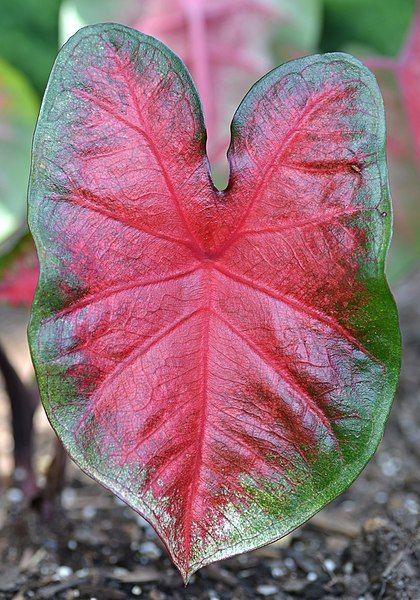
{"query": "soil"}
{"type": "Point", "coordinates": [364, 545]}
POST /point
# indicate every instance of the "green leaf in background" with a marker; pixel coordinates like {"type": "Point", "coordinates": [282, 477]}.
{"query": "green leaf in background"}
{"type": "Point", "coordinates": [18, 112]}
{"type": "Point", "coordinates": [379, 24]}
{"type": "Point", "coordinates": [29, 37]}
{"type": "Point", "coordinates": [300, 31]}
{"type": "Point", "coordinates": [75, 14]}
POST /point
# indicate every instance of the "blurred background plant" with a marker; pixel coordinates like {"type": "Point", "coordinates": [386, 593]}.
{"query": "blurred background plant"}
{"type": "Point", "coordinates": [227, 45]}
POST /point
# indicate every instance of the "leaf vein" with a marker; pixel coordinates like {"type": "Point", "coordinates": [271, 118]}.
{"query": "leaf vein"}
{"type": "Point", "coordinates": [284, 373]}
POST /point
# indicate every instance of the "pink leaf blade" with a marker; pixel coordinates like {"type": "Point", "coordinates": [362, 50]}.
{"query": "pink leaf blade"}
{"type": "Point", "coordinates": [225, 385]}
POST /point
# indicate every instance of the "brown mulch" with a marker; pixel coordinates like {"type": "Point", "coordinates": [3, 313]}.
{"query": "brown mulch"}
{"type": "Point", "coordinates": [364, 545]}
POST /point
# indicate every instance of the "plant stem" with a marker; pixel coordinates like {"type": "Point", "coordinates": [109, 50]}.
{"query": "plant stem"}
{"type": "Point", "coordinates": [47, 498]}
{"type": "Point", "coordinates": [200, 60]}
{"type": "Point", "coordinates": [23, 404]}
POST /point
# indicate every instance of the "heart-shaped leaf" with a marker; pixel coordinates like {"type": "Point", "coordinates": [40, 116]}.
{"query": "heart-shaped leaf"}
{"type": "Point", "coordinates": [224, 361]}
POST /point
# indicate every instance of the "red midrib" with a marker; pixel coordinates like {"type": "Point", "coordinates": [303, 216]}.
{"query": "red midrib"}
{"type": "Point", "coordinates": [208, 290]}
{"type": "Point", "coordinates": [158, 156]}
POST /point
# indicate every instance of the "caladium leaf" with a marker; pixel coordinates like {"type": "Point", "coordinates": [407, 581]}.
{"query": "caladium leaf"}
{"type": "Point", "coordinates": [224, 361]}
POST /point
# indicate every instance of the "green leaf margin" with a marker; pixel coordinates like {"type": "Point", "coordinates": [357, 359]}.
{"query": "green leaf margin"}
{"type": "Point", "coordinates": [378, 322]}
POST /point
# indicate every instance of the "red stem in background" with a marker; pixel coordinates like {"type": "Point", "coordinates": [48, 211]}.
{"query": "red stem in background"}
{"type": "Point", "coordinates": [200, 60]}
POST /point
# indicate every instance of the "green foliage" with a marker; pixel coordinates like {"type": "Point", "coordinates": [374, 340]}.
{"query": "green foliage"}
{"type": "Point", "coordinates": [29, 37]}
{"type": "Point", "coordinates": [13, 247]}
{"type": "Point", "coordinates": [379, 24]}
{"type": "Point", "coordinates": [18, 112]}
{"type": "Point", "coordinates": [300, 31]}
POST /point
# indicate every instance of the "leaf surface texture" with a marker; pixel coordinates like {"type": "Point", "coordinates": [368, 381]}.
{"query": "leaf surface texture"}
{"type": "Point", "coordinates": [224, 361]}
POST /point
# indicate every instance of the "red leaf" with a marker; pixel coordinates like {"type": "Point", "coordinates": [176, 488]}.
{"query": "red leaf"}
{"type": "Point", "coordinates": [18, 270]}
{"type": "Point", "coordinates": [223, 361]}
{"type": "Point", "coordinates": [409, 73]}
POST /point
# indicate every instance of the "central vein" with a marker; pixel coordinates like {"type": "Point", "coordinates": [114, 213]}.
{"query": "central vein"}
{"type": "Point", "coordinates": [207, 290]}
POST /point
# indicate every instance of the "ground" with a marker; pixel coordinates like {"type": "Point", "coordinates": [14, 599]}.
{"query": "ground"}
{"type": "Point", "coordinates": [364, 545]}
